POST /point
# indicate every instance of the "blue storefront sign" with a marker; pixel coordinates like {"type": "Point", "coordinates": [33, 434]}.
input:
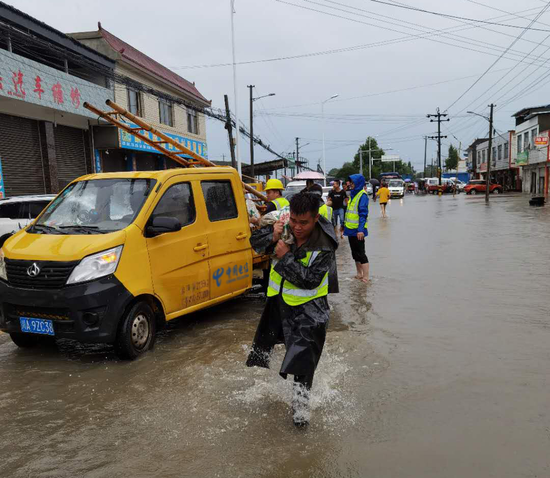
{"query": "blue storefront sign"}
{"type": "Point", "coordinates": [2, 190]}
{"type": "Point", "coordinates": [129, 141]}
{"type": "Point", "coordinates": [97, 157]}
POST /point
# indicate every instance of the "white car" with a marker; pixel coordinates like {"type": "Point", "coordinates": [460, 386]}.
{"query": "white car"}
{"type": "Point", "coordinates": [368, 188]}
{"type": "Point", "coordinates": [17, 212]}
{"type": "Point", "coordinates": [397, 188]}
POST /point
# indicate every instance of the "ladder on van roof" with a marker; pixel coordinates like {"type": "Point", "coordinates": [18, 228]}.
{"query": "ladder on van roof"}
{"type": "Point", "coordinates": [193, 160]}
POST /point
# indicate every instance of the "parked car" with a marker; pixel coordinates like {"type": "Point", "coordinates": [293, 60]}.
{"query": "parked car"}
{"type": "Point", "coordinates": [368, 188]}
{"type": "Point", "coordinates": [397, 188]}
{"type": "Point", "coordinates": [18, 211]}
{"type": "Point", "coordinates": [478, 186]}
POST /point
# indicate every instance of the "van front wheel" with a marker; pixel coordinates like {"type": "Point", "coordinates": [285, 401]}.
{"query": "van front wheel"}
{"type": "Point", "coordinates": [136, 333]}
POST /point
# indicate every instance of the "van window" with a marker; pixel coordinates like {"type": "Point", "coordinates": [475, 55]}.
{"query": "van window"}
{"type": "Point", "coordinates": [177, 202]}
{"type": "Point", "coordinates": [220, 201]}
{"type": "Point", "coordinates": [11, 210]}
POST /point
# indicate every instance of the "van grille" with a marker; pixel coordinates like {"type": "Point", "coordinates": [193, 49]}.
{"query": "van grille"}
{"type": "Point", "coordinates": [52, 275]}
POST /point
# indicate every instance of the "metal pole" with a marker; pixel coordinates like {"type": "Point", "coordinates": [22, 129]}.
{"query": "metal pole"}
{"type": "Point", "coordinates": [425, 152]}
{"type": "Point", "coordinates": [439, 149]}
{"type": "Point", "coordinates": [297, 154]}
{"type": "Point", "coordinates": [370, 160]}
{"type": "Point", "coordinates": [251, 87]}
{"type": "Point", "coordinates": [237, 134]}
{"type": "Point", "coordinates": [324, 163]}
{"type": "Point", "coordinates": [488, 180]}
{"type": "Point", "coordinates": [229, 128]}
{"type": "Point", "coordinates": [360, 160]}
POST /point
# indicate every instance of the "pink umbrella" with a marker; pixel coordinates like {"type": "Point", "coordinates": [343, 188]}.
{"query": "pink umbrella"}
{"type": "Point", "coordinates": [308, 175]}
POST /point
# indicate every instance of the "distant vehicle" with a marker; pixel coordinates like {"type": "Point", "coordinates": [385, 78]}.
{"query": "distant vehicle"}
{"type": "Point", "coordinates": [18, 211]}
{"type": "Point", "coordinates": [385, 177]}
{"type": "Point", "coordinates": [478, 186]}
{"type": "Point", "coordinates": [294, 187]}
{"type": "Point", "coordinates": [368, 188]}
{"type": "Point", "coordinates": [397, 188]}
{"type": "Point", "coordinates": [460, 185]}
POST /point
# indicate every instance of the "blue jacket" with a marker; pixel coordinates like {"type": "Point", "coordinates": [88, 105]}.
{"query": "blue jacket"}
{"type": "Point", "coordinates": [363, 209]}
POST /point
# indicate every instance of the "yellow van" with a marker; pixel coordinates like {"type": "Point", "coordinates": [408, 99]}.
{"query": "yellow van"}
{"type": "Point", "coordinates": [115, 255]}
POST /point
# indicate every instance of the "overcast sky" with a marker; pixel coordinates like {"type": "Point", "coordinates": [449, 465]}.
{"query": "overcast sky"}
{"type": "Point", "coordinates": [406, 65]}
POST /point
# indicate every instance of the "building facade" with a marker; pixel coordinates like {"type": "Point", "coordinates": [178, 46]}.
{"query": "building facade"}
{"type": "Point", "coordinates": [531, 124]}
{"type": "Point", "coordinates": [45, 78]}
{"type": "Point", "coordinates": [152, 92]}
{"type": "Point", "coordinates": [472, 163]}
{"type": "Point", "coordinates": [504, 169]}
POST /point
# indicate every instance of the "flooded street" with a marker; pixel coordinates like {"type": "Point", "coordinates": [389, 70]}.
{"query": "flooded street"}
{"type": "Point", "coordinates": [439, 368]}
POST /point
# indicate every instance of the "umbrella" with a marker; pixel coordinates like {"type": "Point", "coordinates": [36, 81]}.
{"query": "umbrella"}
{"type": "Point", "coordinates": [374, 182]}
{"type": "Point", "coordinates": [308, 175]}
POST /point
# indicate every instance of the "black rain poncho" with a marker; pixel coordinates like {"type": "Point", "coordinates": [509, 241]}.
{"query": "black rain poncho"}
{"type": "Point", "coordinates": [301, 328]}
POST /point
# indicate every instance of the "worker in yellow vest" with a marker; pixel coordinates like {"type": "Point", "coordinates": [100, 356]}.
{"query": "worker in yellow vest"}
{"type": "Point", "coordinates": [274, 191]}
{"type": "Point", "coordinates": [297, 311]}
{"type": "Point", "coordinates": [356, 224]}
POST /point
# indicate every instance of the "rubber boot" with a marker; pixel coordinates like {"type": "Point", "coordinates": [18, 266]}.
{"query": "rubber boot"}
{"type": "Point", "coordinates": [301, 392]}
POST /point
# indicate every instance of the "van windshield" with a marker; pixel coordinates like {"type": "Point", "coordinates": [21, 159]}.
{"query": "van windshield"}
{"type": "Point", "coordinates": [395, 184]}
{"type": "Point", "coordinates": [95, 207]}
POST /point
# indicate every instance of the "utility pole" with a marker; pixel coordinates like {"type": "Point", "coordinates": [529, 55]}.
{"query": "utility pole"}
{"type": "Point", "coordinates": [438, 115]}
{"type": "Point", "coordinates": [229, 128]}
{"type": "Point", "coordinates": [425, 152]}
{"type": "Point", "coordinates": [251, 87]}
{"type": "Point", "coordinates": [488, 182]}
{"type": "Point", "coordinates": [360, 161]}
{"type": "Point", "coordinates": [235, 89]}
{"type": "Point", "coordinates": [297, 155]}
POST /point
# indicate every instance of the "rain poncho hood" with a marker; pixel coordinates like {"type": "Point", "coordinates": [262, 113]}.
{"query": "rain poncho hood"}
{"type": "Point", "coordinates": [359, 183]}
{"type": "Point", "coordinates": [301, 328]}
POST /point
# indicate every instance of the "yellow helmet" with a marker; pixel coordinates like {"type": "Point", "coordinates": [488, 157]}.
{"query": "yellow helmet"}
{"type": "Point", "coordinates": [274, 184]}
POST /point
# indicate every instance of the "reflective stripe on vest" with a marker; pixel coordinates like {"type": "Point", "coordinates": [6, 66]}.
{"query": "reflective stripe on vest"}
{"type": "Point", "coordinates": [326, 212]}
{"type": "Point", "coordinates": [352, 214]}
{"type": "Point", "coordinates": [280, 203]}
{"type": "Point", "coordinates": [293, 295]}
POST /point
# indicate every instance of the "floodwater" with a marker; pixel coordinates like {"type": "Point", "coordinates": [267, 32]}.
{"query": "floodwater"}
{"type": "Point", "coordinates": [439, 368]}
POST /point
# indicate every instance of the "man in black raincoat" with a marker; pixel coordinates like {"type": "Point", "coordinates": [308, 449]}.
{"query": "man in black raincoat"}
{"type": "Point", "coordinates": [297, 310]}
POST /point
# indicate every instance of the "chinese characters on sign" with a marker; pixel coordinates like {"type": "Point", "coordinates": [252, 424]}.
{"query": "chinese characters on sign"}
{"type": "Point", "coordinates": [27, 80]}
{"type": "Point", "coordinates": [231, 273]}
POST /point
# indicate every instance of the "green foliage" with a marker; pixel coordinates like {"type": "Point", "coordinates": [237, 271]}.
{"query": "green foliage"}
{"type": "Point", "coordinates": [451, 163]}
{"type": "Point", "coordinates": [377, 166]}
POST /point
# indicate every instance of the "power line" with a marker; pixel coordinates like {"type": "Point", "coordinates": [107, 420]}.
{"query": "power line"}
{"type": "Point", "coordinates": [499, 58]}
{"type": "Point", "coordinates": [455, 17]}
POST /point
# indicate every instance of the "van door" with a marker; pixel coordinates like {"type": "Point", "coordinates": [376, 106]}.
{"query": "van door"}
{"type": "Point", "coordinates": [179, 260]}
{"type": "Point", "coordinates": [228, 236]}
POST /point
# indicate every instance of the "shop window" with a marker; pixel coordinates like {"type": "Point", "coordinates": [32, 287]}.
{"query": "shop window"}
{"type": "Point", "coordinates": [520, 143]}
{"type": "Point", "coordinates": [166, 113]}
{"type": "Point", "coordinates": [220, 201]}
{"type": "Point", "coordinates": [526, 144]}
{"type": "Point", "coordinates": [134, 102]}
{"type": "Point", "coordinates": [192, 121]}
{"type": "Point", "coordinates": [494, 156]}
{"type": "Point", "coordinates": [178, 203]}
{"type": "Point", "coordinates": [506, 150]}
{"type": "Point", "coordinates": [483, 156]}
{"type": "Point", "coordinates": [533, 135]}
{"type": "Point", "coordinates": [499, 152]}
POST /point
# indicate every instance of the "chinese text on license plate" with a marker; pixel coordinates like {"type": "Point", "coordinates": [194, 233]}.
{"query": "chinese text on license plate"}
{"type": "Point", "coordinates": [36, 326]}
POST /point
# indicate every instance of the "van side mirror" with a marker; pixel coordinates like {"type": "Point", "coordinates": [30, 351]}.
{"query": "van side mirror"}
{"type": "Point", "coordinates": [161, 225]}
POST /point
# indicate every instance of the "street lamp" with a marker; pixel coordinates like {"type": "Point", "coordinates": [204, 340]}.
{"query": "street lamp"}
{"type": "Point", "coordinates": [488, 179]}
{"type": "Point", "coordinates": [323, 118]}
{"type": "Point", "coordinates": [251, 87]}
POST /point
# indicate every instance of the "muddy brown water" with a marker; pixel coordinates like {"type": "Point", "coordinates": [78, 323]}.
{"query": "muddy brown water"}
{"type": "Point", "coordinates": [439, 368]}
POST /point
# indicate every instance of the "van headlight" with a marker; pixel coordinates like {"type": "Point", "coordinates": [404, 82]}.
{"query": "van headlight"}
{"type": "Point", "coordinates": [3, 273]}
{"type": "Point", "coordinates": [95, 266]}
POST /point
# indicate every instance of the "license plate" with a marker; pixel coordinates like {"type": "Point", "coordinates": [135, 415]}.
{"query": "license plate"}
{"type": "Point", "coordinates": [36, 326]}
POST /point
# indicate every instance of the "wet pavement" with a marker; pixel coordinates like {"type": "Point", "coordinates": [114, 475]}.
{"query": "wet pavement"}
{"type": "Point", "coordinates": [439, 368]}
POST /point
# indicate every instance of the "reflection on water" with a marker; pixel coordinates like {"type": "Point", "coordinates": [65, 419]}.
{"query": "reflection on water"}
{"type": "Point", "coordinates": [439, 358]}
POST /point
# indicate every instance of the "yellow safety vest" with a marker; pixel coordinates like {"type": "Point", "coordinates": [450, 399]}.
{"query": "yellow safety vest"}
{"type": "Point", "coordinates": [292, 294]}
{"type": "Point", "coordinates": [326, 212]}
{"type": "Point", "coordinates": [352, 214]}
{"type": "Point", "coordinates": [280, 203]}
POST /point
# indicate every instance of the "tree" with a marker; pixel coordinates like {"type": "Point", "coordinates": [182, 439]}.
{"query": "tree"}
{"type": "Point", "coordinates": [334, 172]}
{"type": "Point", "coordinates": [451, 163]}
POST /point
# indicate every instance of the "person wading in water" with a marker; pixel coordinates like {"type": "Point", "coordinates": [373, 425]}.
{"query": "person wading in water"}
{"type": "Point", "coordinates": [297, 311]}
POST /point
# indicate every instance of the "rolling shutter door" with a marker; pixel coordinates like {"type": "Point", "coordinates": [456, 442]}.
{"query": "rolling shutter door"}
{"type": "Point", "coordinates": [21, 158]}
{"type": "Point", "coordinates": [70, 154]}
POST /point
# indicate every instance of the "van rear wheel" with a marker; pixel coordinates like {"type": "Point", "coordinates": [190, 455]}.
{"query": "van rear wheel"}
{"type": "Point", "coordinates": [136, 332]}
{"type": "Point", "coordinates": [25, 341]}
